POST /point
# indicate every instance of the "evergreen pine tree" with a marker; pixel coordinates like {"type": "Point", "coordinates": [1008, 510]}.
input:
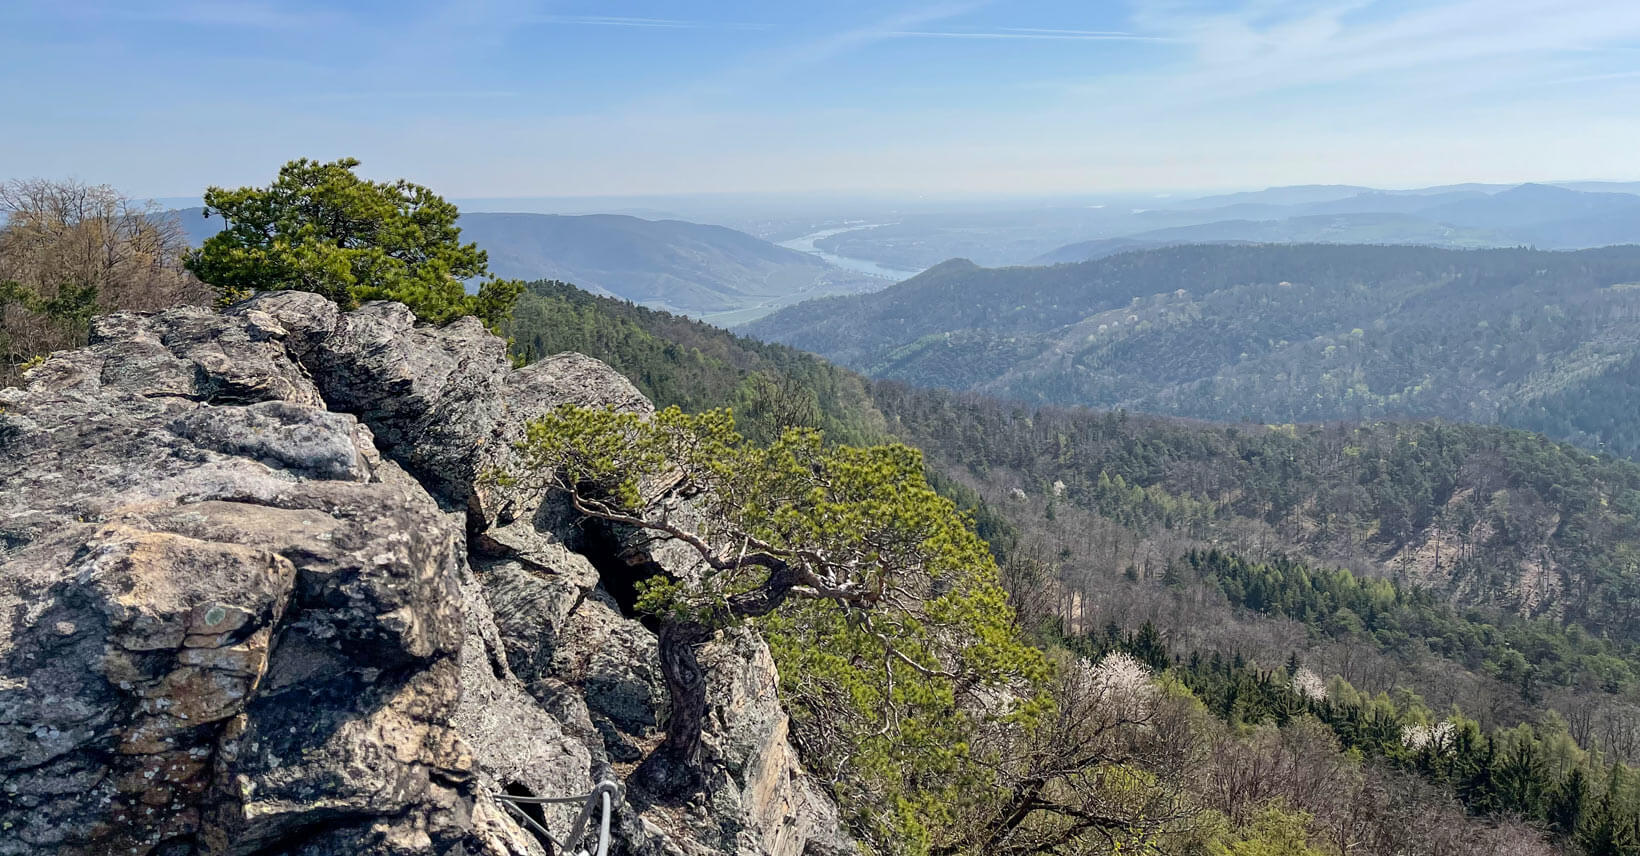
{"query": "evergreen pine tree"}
{"type": "Point", "coordinates": [1568, 803]}
{"type": "Point", "coordinates": [1522, 780]}
{"type": "Point", "coordinates": [1606, 832]}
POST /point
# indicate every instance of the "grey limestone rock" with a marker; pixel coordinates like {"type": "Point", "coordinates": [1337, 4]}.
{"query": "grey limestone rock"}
{"type": "Point", "coordinates": [227, 624]}
{"type": "Point", "coordinates": [445, 402]}
{"type": "Point", "coordinates": [258, 596]}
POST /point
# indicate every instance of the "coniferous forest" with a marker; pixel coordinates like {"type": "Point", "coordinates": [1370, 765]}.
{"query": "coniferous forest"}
{"type": "Point", "coordinates": [1360, 615]}
{"type": "Point", "coordinates": [1270, 333]}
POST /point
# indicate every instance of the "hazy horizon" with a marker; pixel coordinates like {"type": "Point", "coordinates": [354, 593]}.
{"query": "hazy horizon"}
{"type": "Point", "coordinates": [805, 200]}
{"type": "Point", "coordinates": [520, 99]}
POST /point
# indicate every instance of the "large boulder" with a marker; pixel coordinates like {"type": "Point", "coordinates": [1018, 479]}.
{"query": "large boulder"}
{"type": "Point", "coordinates": [259, 594]}
{"type": "Point", "coordinates": [444, 402]}
{"type": "Point", "coordinates": [227, 624]}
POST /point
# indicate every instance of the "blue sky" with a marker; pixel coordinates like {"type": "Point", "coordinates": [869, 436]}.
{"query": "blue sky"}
{"type": "Point", "coordinates": [525, 98]}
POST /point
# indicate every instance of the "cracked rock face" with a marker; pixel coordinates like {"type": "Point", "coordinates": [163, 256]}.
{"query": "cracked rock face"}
{"type": "Point", "coordinates": [216, 598]}
{"type": "Point", "coordinates": [256, 597]}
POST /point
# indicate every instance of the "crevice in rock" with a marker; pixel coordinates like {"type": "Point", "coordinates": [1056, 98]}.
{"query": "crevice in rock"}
{"type": "Point", "coordinates": [620, 568]}
{"type": "Point", "coordinates": [331, 823]}
{"type": "Point", "coordinates": [532, 810]}
{"type": "Point", "coordinates": [498, 662]}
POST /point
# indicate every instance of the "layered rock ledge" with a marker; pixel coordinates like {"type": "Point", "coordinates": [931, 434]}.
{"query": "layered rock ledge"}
{"type": "Point", "coordinates": [257, 596]}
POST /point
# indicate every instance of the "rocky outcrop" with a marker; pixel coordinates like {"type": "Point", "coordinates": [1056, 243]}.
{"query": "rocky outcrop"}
{"type": "Point", "coordinates": [259, 595]}
{"type": "Point", "coordinates": [787, 812]}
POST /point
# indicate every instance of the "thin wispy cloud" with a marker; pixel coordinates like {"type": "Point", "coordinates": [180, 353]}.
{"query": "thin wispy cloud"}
{"type": "Point", "coordinates": [842, 42]}
{"type": "Point", "coordinates": [761, 67]}
{"type": "Point", "coordinates": [1289, 43]}
{"type": "Point", "coordinates": [406, 94]}
{"type": "Point", "coordinates": [1061, 31]}
{"type": "Point", "coordinates": [643, 23]}
{"type": "Point", "coordinates": [1028, 34]}
{"type": "Point", "coordinates": [1594, 78]}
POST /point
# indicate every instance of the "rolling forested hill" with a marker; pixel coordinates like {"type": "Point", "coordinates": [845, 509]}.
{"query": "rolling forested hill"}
{"type": "Point", "coordinates": [1382, 577]}
{"type": "Point", "coordinates": [1341, 228]}
{"type": "Point", "coordinates": [678, 266]}
{"type": "Point", "coordinates": [1484, 515]}
{"type": "Point", "coordinates": [1269, 333]}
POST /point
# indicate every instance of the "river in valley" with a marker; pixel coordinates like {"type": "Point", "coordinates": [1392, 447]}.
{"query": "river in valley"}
{"type": "Point", "coordinates": [805, 244]}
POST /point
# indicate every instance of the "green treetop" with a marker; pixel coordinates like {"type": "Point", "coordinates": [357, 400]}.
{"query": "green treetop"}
{"type": "Point", "coordinates": [319, 227]}
{"type": "Point", "coordinates": [896, 628]}
{"type": "Point", "coordinates": [1274, 832]}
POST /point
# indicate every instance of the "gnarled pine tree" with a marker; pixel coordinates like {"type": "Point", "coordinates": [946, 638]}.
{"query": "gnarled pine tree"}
{"type": "Point", "coordinates": [320, 227]}
{"type": "Point", "coordinates": [849, 540]}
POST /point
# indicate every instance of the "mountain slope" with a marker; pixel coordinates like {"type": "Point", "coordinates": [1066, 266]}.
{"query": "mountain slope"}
{"type": "Point", "coordinates": [1530, 205]}
{"type": "Point", "coordinates": [1336, 228]}
{"type": "Point", "coordinates": [1370, 495]}
{"type": "Point", "coordinates": [1185, 544]}
{"type": "Point", "coordinates": [680, 361]}
{"type": "Point", "coordinates": [1259, 333]}
{"type": "Point", "coordinates": [1214, 551]}
{"type": "Point", "coordinates": [1461, 216]}
{"type": "Point", "coordinates": [683, 267]}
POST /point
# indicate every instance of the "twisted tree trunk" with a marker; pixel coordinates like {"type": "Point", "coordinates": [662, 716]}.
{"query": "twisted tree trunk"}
{"type": "Point", "coordinates": [676, 767]}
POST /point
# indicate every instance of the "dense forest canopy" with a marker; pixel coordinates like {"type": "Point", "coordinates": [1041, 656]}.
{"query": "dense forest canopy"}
{"type": "Point", "coordinates": [1484, 515]}
{"type": "Point", "coordinates": [1306, 589]}
{"type": "Point", "coordinates": [1268, 333]}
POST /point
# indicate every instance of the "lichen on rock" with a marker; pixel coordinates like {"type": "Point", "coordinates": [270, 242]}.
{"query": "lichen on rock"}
{"type": "Point", "coordinates": [257, 596]}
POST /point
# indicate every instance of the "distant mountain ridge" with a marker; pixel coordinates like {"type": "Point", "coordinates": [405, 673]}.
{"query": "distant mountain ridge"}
{"type": "Point", "coordinates": [1296, 194]}
{"type": "Point", "coordinates": [673, 265]}
{"type": "Point", "coordinates": [1340, 228]}
{"type": "Point", "coordinates": [1267, 333]}
{"type": "Point", "coordinates": [683, 267]}
{"type": "Point", "coordinates": [1530, 205]}
{"type": "Point", "coordinates": [1537, 215]}
{"type": "Point", "coordinates": [1565, 215]}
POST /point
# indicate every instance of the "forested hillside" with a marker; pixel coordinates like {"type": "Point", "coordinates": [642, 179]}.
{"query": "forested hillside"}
{"type": "Point", "coordinates": [1363, 557]}
{"type": "Point", "coordinates": [1457, 603]}
{"type": "Point", "coordinates": [1267, 333]}
{"type": "Point", "coordinates": [683, 267]}
{"type": "Point", "coordinates": [680, 361]}
{"type": "Point", "coordinates": [1481, 516]}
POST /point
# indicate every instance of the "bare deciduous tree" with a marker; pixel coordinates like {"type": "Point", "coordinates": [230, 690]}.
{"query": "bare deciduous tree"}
{"type": "Point", "coordinates": [70, 250]}
{"type": "Point", "coordinates": [1111, 769]}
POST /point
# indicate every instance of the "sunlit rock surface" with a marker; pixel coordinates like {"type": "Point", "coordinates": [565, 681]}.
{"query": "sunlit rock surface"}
{"type": "Point", "coordinates": [257, 596]}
